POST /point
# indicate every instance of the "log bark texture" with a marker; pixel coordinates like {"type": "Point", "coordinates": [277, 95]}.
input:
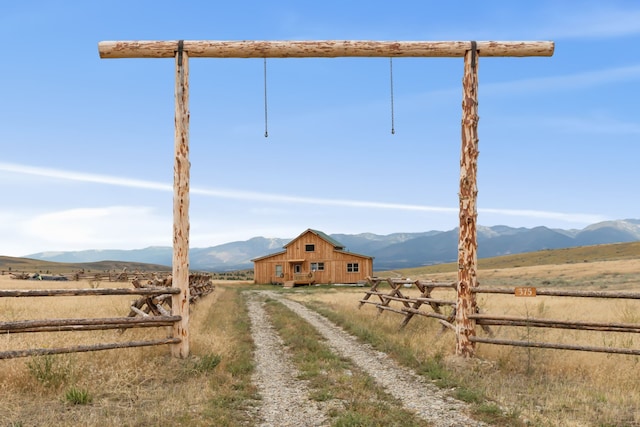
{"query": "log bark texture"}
{"type": "Point", "coordinates": [85, 292]}
{"type": "Point", "coordinates": [83, 348]}
{"type": "Point", "coordinates": [58, 325]}
{"type": "Point", "coordinates": [180, 275]}
{"type": "Point", "coordinates": [319, 49]}
{"type": "Point", "coordinates": [565, 293]}
{"type": "Point", "coordinates": [490, 319]}
{"type": "Point", "coordinates": [467, 240]}
{"type": "Point", "coordinates": [536, 344]}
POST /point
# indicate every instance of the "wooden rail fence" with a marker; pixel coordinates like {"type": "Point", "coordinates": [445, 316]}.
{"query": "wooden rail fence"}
{"type": "Point", "coordinates": [152, 309]}
{"type": "Point", "coordinates": [410, 306]}
{"type": "Point", "coordinates": [59, 325]}
{"type": "Point", "coordinates": [531, 322]}
{"type": "Point", "coordinates": [427, 306]}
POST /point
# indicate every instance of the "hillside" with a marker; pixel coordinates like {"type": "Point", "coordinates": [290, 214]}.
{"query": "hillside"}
{"type": "Point", "coordinates": [584, 254]}
{"type": "Point", "coordinates": [392, 251]}
{"type": "Point", "coordinates": [12, 264]}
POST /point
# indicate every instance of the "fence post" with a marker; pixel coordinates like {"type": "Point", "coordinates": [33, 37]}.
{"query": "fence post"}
{"type": "Point", "coordinates": [180, 302]}
{"type": "Point", "coordinates": [467, 240]}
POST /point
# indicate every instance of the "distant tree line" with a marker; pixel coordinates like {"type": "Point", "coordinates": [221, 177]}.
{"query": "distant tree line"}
{"type": "Point", "coordinates": [233, 275]}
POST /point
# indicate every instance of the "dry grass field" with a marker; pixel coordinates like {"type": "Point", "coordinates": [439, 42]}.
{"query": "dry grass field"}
{"type": "Point", "coordinates": [508, 385]}
{"type": "Point", "coordinates": [127, 387]}
{"type": "Point", "coordinates": [539, 386]}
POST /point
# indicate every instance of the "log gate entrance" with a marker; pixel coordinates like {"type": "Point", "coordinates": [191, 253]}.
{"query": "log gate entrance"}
{"type": "Point", "coordinates": [182, 50]}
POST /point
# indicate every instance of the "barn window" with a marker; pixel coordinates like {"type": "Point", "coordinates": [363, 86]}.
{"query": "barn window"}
{"type": "Point", "coordinates": [317, 266]}
{"type": "Point", "coordinates": [279, 271]}
{"type": "Point", "coordinates": [309, 248]}
{"type": "Point", "coordinates": [353, 267]}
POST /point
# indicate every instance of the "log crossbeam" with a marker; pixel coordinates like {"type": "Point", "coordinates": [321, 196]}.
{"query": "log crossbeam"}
{"type": "Point", "coordinates": [320, 49]}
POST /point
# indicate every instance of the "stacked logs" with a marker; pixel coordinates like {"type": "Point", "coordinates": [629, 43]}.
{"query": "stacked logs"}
{"type": "Point", "coordinates": [200, 285]}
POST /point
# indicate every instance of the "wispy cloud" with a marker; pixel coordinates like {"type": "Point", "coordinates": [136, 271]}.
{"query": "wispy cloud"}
{"type": "Point", "coordinates": [83, 177]}
{"type": "Point", "coordinates": [565, 82]}
{"type": "Point", "coordinates": [281, 198]}
{"type": "Point", "coordinates": [559, 216]}
{"type": "Point", "coordinates": [602, 21]}
{"type": "Point", "coordinates": [592, 124]}
{"type": "Point", "coordinates": [543, 20]}
{"type": "Point", "coordinates": [78, 225]}
{"type": "Point", "coordinates": [26, 232]}
{"type": "Point", "coordinates": [541, 86]}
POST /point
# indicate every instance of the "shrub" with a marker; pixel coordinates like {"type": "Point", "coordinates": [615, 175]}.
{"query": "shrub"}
{"type": "Point", "coordinates": [78, 396]}
{"type": "Point", "coordinates": [207, 363]}
{"type": "Point", "coordinates": [48, 370]}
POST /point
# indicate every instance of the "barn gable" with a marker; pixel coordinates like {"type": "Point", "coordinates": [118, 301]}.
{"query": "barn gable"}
{"type": "Point", "coordinates": [337, 245]}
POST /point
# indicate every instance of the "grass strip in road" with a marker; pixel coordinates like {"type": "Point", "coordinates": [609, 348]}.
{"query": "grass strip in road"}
{"type": "Point", "coordinates": [353, 396]}
{"type": "Point", "coordinates": [400, 347]}
{"type": "Point", "coordinates": [232, 394]}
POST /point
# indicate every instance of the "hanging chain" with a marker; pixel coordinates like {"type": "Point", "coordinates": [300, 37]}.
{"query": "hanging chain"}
{"type": "Point", "coordinates": [393, 129]}
{"type": "Point", "coordinates": [266, 131]}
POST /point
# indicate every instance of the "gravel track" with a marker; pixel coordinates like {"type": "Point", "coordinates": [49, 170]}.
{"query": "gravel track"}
{"type": "Point", "coordinates": [285, 399]}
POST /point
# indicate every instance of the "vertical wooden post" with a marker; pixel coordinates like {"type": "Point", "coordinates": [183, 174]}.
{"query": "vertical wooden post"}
{"type": "Point", "coordinates": [180, 302]}
{"type": "Point", "coordinates": [467, 242]}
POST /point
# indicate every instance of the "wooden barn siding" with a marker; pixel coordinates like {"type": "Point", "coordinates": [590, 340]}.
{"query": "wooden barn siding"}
{"type": "Point", "coordinates": [335, 262]}
{"type": "Point", "coordinates": [323, 250]}
{"type": "Point", "coordinates": [340, 261]}
{"type": "Point", "coordinates": [264, 270]}
{"type": "Point", "coordinates": [335, 270]}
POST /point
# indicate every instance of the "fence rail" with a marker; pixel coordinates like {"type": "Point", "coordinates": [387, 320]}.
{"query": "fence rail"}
{"type": "Point", "coordinates": [85, 348]}
{"type": "Point", "coordinates": [427, 306]}
{"type": "Point", "coordinates": [557, 346]}
{"type": "Point", "coordinates": [410, 306]}
{"type": "Point", "coordinates": [563, 293]}
{"type": "Point", "coordinates": [79, 324]}
{"type": "Point", "coordinates": [487, 319]}
{"type": "Point", "coordinates": [62, 325]}
{"type": "Point", "coordinates": [86, 292]}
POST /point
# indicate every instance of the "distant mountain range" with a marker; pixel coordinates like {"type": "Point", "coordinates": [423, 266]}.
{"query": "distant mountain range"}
{"type": "Point", "coordinates": [393, 251]}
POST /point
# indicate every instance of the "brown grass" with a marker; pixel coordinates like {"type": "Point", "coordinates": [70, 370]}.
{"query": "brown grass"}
{"type": "Point", "coordinates": [543, 387]}
{"type": "Point", "coordinates": [142, 386]}
{"type": "Point", "coordinates": [546, 387]}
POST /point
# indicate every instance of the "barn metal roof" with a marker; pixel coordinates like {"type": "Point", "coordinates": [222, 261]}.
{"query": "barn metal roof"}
{"type": "Point", "coordinates": [337, 245]}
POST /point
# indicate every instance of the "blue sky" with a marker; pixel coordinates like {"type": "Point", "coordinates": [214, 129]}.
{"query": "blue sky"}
{"type": "Point", "coordinates": [87, 143]}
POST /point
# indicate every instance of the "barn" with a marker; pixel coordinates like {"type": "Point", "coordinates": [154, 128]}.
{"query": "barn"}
{"type": "Point", "coordinates": [312, 257]}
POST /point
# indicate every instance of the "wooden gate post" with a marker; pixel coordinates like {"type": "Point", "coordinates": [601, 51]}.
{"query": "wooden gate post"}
{"type": "Point", "coordinates": [180, 302]}
{"type": "Point", "coordinates": [467, 241]}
